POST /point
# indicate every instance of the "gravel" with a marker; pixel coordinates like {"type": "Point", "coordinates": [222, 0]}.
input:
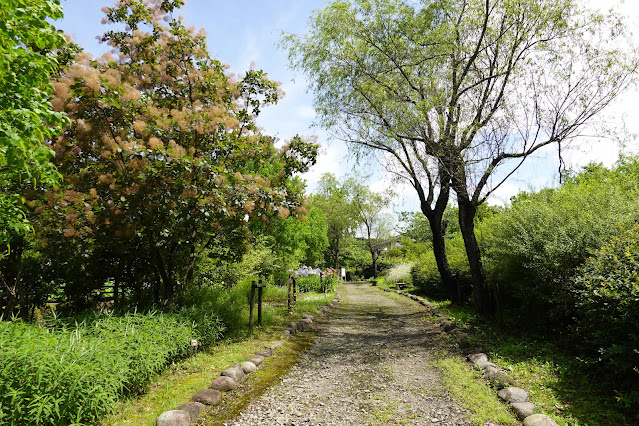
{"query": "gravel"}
{"type": "Point", "coordinates": [371, 364]}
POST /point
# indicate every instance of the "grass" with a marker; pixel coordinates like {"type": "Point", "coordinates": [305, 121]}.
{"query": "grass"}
{"type": "Point", "coordinates": [177, 384]}
{"type": "Point", "coordinates": [473, 394]}
{"type": "Point", "coordinates": [558, 383]}
{"type": "Point", "coordinates": [269, 373]}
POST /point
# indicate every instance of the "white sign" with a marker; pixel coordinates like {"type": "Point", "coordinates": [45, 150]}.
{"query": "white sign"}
{"type": "Point", "coordinates": [193, 342]}
{"type": "Point", "coordinates": [343, 273]}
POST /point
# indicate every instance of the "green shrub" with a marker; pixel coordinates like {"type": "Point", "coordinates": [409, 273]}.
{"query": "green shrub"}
{"type": "Point", "coordinates": [607, 293]}
{"type": "Point", "coordinates": [533, 248]}
{"type": "Point", "coordinates": [400, 272]}
{"type": "Point", "coordinates": [312, 283]}
{"type": "Point", "coordinates": [76, 374]}
{"type": "Point", "coordinates": [425, 274]}
{"type": "Point", "coordinates": [228, 303]}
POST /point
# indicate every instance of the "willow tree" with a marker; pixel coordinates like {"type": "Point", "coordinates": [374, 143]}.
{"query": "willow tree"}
{"type": "Point", "coordinates": [162, 157]}
{"type": "Point", "coordinates": [457, 94]}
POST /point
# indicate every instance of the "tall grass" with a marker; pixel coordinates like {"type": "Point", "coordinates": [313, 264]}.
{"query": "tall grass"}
{"type": "Point", "coordinates": [75, 374]}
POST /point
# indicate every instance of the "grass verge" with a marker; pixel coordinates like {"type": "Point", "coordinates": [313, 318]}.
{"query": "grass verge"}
{"type": "Point", "coordinates": [177, 384]}
{"type": "Point", "coordinates": [558, 383]}
{"type": "Point", "coordinates": [473, 394]}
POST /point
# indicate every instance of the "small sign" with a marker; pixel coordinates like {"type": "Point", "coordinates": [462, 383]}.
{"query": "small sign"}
{"type": "Point", "coordinates": [260, 284]}
{"type": "Point", "coordinates": [193, 342]}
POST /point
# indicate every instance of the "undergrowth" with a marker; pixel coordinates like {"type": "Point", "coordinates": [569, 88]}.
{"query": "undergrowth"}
{"type": "Point", "coordinates": [559, 383]}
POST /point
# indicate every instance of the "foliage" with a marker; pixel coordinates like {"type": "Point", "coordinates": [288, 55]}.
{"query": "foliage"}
{"type": "Point", "coordinates": [399, 273]}
{"type": "Point", "coordinates": [534, 246]}
{"type": "Point", "coordinates": [448, 92]}
{"type": "Point", "coordinates": [333, 198]}
{"type": "Point", "coordinates": [162, 161]}
{"type": "Point", "coordinates": [66, 376]}
{"type": "Point", "coordinates": [607, 294]}
{"type": "Point", "coordinates": [27, 122]}
{"type": "Point", "coordinates": [326, 282]}
{"type": "Point", "coordinates": [426, 278]}
{"type": "Point", "coordinates": [301, 241]}
{"type": "Point", "coordinates": [375, 225]}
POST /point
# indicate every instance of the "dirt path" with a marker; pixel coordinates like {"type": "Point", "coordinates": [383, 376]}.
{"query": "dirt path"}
{"type": "Point", "coordinates": [371, 364]}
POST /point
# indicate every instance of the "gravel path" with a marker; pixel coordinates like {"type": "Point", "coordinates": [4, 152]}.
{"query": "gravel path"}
{"type": "Point", "coordinates": [371, 364]}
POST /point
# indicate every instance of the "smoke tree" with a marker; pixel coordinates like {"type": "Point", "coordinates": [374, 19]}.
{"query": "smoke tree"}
{"type": "Point", "coordinates": [162, 158]}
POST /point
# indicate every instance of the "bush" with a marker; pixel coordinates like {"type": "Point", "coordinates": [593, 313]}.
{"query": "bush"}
{"type": "Point", "coordinates": [425, 274]}
{"type": "Point", "coordinates": [607, 292]}
{"type": "Point", "coordinates": [228, 303]}
{"type": "Point", "coordinates": [533, 248]}
{"type": "Point", "coordinates": [76, 374]}
{"type": "Point", "coordinates": [399, 273]}
{"type": "Point", "coordinates": [312, 283]}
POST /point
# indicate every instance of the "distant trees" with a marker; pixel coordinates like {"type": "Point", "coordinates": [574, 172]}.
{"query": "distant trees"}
{"type": "Point", "coordinates": [374, 222]}
{"type": "Point", "coordinates": [333, 198]}
{"type": "Point", "coordinates": [447, 92]}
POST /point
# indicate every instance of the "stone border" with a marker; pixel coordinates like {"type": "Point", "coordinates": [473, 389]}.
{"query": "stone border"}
{"type": "Point", "coordinates": [508, 389]}
{"type": "Point", "coordinates": [188, 413]}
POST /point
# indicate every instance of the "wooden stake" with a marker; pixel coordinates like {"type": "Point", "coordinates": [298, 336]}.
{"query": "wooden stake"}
{"type": "Point", "coordinates": [251, 298]}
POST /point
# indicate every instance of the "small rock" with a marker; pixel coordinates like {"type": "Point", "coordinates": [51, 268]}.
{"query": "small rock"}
{"type": "Point", "coordinates": [523, 409]}
{"type": "Point", "coordinates": [174, 418]}
{"type": "Point", "coordinates": [265, 353]}
{"type": "Point", "coordinates": [477, 357]}
{"type": "Point", "coordinates": [481, 361]}
{"type": "Point", "coordinates": [224, 384]}
{"type": "Point", "coordinates": [539, 420]}
{"type": "Point", "coordinates": [193, 408]}
{"type": "Point", "coordinates": [307, 317]}
{"type": "Point", "coordinates": [207, 396]}
{"type": "Point", "coordinates": [449, 326]}
{"type": "Point", "coordinates": [513, 394]}
{"type": "Point", "coordinates": [248, 367]}
{"type": "Point", "coordinates": [287, 334]}
{"type": "Point", "coordinates": [495, 376]}
{"type": "Point", "coordinates": [256, 359]}
{"type": "Point", "coordinates": [234, 373]}
{"type": "Point", "coordinates": [276, 344]}
{"type": "Point", "coordinates": [293, 326]}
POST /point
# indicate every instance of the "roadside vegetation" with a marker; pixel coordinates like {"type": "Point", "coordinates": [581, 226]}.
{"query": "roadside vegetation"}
{"type": "Point", "coordinates": [139, 199]}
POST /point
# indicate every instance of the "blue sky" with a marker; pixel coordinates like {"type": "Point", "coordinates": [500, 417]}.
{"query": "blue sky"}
{"type": "Point", "coordinates": [245, 31]}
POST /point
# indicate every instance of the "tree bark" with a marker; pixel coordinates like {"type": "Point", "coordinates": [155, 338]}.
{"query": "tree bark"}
{"type": "Point", "coordinates": [484, 301]}
{"type": "Point", "coordinates": [439, 250]}
{"type": "Point", "coordinates": [435, 216]}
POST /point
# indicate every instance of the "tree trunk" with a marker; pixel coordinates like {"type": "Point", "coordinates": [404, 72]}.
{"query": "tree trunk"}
{"type": "Point", "coordinates": [435, 216]}
{"type": "Point", "coordinates": [484, 301]}
{"type": "Point", "coordinates": [439, 250]}
{"type": "Point", "coordinates": [374, 258]}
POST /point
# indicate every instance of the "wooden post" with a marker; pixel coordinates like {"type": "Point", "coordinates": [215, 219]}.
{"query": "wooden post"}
{"type": "Point", "coordinates": [294, 290]}
{"type": "Point", "coordinates": [290, 294]}
{"type": "Point", "coordinates": [260, 286]}
{"type": "Point", "coordinates": [251, 298]}
{"type": "Point", "coordinates": [322, 283]}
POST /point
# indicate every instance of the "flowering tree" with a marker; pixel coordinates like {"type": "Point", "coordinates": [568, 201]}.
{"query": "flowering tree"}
{"type": "Point", "coordinates": [162, 157]}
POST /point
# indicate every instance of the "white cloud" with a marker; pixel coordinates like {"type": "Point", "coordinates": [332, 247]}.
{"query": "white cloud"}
{"type": "Point", "coordinates": [306, 111]}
